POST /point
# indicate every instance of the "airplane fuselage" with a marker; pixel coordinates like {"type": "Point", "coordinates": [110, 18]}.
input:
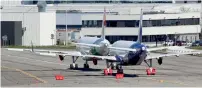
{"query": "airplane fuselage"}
{"type": "Point", "coordinates": [129, 57]}
{"type": "Point", "coordinates": [87, 50]}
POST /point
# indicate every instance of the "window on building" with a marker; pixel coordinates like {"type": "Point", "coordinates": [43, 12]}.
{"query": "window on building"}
{"type": "Point", "coordinates": [90, 23]}
{"type": "Point", "coordinates": [120, 23]}
{"type": "Point", "coordinates": [84, 23]}
{"type": "Point", "coordinates": [111, 23]}
{"type": "Point", "coordinates": [95, 23]}
{"type": "Point", "coordinates": [137, 23]}
{"type": "Point", "coordinates": [182, 21]}
{"type": "Point", "coordinates": [199, 1]}
{"type": "Point", "coordinates": [129, 24]}
{"type": "Point", "coordinates": [99, 23]}
{"type": "Point", "coordinates": [146, 23]}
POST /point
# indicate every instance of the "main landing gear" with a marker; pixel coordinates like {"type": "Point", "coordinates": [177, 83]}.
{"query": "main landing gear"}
{"type": "Point", "coordinates": [109, 71]}
{"type": "Point", "coordinates": [150, 70]}
{"type": "Point", "coordinates": [73, 65]}
{"type": "Point", "coordinates": [86, 65]}
{"type": "Point", "coordinates": [114, 65]}
{"type": "Point", "coordinates": [119, 73]}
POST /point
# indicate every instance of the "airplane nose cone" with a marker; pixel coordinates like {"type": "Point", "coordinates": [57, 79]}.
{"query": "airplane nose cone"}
{"type": "Point", "coordinates": [143, 48]}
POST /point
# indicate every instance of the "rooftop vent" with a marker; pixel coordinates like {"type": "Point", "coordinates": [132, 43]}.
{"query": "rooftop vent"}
{"type": "Point", "coordinates": [41, 6]}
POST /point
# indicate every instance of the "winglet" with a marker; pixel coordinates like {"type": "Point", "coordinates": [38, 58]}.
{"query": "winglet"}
{"type": "Point", "coordinates": [140, 28]}
{"type": "Point", "coordinates": [103, 25]}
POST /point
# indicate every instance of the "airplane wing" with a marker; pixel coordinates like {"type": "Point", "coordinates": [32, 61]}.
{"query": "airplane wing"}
{"type": "Point", "coordinates": [73, 53]}
{"type": "Point", "coordinates": [78, 54]}
{"type": "Point", "coordinates": [90, 56]}
{"type": "Point", "coordinates": [91, 45]}
{"type": "Point", "coordinates": [173, 51]}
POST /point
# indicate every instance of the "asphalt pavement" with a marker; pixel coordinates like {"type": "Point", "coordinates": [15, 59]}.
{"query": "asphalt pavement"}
{"type": "Point", "coordinates": [26, 69]}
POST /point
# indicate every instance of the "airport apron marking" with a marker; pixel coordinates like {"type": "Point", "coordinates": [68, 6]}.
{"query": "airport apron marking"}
{"type": "Point", "coordinates": [28, 74]}
{"type": "Point", "coordinates": [161, 81]}
{"type": "Point", "coordinates": [39, 60]}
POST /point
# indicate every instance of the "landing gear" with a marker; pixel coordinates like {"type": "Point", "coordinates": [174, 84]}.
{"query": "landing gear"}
{"type": "Point", "coordinates": [86, 65]}
{"type": "Point", "coordinates": [119, 74]}
{"type": "Point", "coordinates": [150, 70]}
{"type": "Point", "coordinates": [119, 69]}
{"type": "Point", "coordinates": [73, 65]}
{"type": "Point", "coordinates": [113, 65]}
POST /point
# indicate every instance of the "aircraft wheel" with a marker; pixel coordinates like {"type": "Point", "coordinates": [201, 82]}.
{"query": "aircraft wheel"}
{"type": "Point", "coordinates": [71, 66]}
{"type": "Point", "coordinates": [76, 66]}
{"type": "Point", "coordinates": [86, 65]}
{"type": "Point", "coordinates": [119, 71]}
{"type": "Point", "coordinates": [113, 66]}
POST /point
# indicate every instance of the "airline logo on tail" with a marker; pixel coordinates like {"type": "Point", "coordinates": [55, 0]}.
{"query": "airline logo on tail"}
{"type": "Point", "coordinates": [104, 18]}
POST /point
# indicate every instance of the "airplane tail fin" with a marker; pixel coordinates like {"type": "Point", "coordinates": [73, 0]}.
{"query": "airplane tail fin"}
{"type": "Point", "coordinates": [103, 25]}
{"type": "Point", "coordinates": [140, 28]}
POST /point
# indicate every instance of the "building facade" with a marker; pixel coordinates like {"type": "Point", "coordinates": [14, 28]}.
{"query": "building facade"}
{"type": "Point", "coordinates": [36, 27]}
{"type": "Point", "coordinates": [173, 18]}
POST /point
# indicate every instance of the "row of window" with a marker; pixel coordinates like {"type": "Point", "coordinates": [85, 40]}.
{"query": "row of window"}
{"type": "Point", "coordinates": [95, 1]}
{"type": "Point", "coordinates": [146, 23]}
{"type": "Point", "coordinates": [150, 38]}
{"type": "Point", "coordinates": [107, 1]}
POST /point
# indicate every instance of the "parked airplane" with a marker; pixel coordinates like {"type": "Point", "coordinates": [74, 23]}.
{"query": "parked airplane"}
{"type": "Point", "coordinates": [124, 53]}
{"type": "Point", "coordinates": [90, 48]}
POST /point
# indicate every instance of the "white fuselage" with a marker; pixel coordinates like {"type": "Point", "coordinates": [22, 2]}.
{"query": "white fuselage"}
{"type": "Point", "coordinates": [88, 50]}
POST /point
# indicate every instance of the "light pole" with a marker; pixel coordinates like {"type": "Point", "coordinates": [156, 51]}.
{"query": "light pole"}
{"type": "Point", "coordinates": [66, 43]}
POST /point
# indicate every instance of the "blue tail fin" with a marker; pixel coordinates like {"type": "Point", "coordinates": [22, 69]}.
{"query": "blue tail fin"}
{"type": "Point", "coordinates": [140, 28]}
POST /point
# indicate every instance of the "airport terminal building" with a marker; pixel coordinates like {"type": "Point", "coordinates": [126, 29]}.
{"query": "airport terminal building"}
{"type": "Point", "coordinates": [174, 18]}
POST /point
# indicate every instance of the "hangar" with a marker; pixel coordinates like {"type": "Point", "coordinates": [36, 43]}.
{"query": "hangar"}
{"type": "Point", "coordinates": [28, 27]}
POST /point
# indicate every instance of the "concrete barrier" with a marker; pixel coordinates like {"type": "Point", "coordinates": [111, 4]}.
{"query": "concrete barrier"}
{"type": "Point", "coordinates": [47, 54]}
{"type": "Point", "coordinates": [14, 49]}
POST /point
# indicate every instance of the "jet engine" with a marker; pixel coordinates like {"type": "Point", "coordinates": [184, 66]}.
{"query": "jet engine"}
{"type": "Point", "coordinates": [160, 60]}
{"type": "Point", "coordinates": [61, 57]}
{"type": "Point", "coordinates": [94, 61]}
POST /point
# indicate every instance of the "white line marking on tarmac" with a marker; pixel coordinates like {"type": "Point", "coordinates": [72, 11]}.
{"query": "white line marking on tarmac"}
{"type": "Point", "coordinates": [38, 60]}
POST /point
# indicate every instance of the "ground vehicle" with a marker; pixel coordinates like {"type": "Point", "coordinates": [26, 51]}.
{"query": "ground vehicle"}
{"type": "Point", "coordinates": [168, 43]}
{"type": "Point", "coordinates": [180, 43]}
{"type": "Point", "coordinates": [197, 43]}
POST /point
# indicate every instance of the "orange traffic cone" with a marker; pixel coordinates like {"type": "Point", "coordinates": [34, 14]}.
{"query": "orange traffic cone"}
{"type": "Point", "coordinates": [119, 76]}
{"type": "Point", "coordinates": [59, 77]}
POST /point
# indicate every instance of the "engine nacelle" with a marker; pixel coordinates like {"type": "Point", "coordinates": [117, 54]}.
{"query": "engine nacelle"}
{"type": "Point", "coordinates": [160, 60]}
{"type": "Point", "coordinates": [177, 55]}
{"type": "Point", "coordinates": [94, 61]}
{"type": "Point", "coordinates": [61, 57]}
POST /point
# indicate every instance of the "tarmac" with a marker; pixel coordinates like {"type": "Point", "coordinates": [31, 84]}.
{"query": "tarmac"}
{"type": "Point", "coordinates": [27, 69]}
